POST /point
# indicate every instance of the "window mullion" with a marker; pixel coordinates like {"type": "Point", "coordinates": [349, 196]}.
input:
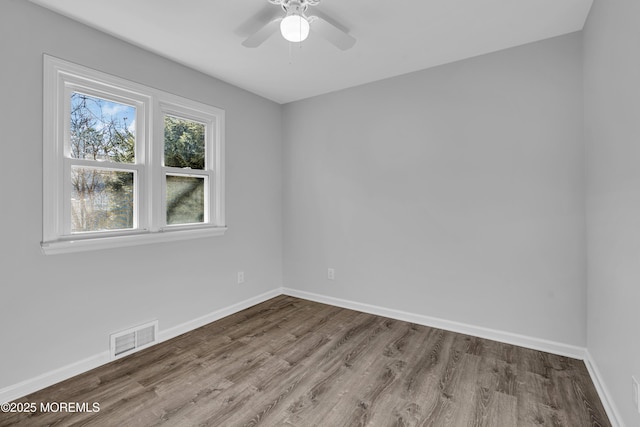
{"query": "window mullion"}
{"type": "Point", "coordinates": [154, 185]}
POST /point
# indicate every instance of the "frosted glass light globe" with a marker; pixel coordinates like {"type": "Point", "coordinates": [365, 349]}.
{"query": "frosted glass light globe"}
{"type": "Point", "coordinates": [294, 28]}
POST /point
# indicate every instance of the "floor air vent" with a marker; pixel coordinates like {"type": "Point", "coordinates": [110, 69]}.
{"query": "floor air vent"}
{"type": "Point", "coordinates": [134, 339]}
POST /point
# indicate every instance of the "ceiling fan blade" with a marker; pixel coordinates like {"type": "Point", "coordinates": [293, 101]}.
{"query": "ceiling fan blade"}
{"type": "Point", "coordinates": [255, 22]}
{"type": "Point", "coordinates": [333, 33]}
{"type": "Point", "coordinates": [263, 33]}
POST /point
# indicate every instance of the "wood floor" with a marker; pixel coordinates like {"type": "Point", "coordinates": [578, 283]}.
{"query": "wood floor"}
{"type": "Point", "coordinates": [292, 362]}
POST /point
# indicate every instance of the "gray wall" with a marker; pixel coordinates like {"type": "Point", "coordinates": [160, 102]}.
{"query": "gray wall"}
{"type": "Point", "coordinates": [612, 133]}
{"type": "Point", "coordinates": [55, 310]}
{"type": "Point", "coordinates": [455, 192]}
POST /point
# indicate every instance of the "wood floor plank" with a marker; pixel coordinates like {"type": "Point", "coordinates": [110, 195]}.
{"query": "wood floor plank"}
{"type": "Point", "coordinates": [297, 363]}
{"type": "Point", "coordinates": [496, 409]}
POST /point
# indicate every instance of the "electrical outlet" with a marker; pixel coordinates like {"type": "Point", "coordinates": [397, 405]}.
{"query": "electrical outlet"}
{"type": "Point", "coordinates": [240, 277]}
{"type": "Point", "coordinates": [636, 393]}
{"type": "Point", "coordinates": [331, 274]}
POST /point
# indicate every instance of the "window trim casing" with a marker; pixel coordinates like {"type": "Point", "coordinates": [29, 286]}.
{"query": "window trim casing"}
{"type": "Point", "coordinates": [58, 76]}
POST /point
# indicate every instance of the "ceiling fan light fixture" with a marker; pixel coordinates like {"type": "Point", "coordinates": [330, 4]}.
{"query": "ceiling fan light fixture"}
{"type": "Point", "coordinates": [294, 28]}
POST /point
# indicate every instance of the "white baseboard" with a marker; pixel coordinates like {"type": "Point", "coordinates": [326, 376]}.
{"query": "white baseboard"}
{"type": "Point", "coordinates": [47, 379]}
{"type": "Point", "coordinates": [463, 328]}
{"type": "Point", "coordinates": [492, 334]}
{"type": "Point", "coordinates": [603, 391]}
{"type": "Point", "coordinates": [29, 386]}
{"type": "Point", "coordinates": [216, 315]}
{"type": "Point", "coordinates": [16, 391]}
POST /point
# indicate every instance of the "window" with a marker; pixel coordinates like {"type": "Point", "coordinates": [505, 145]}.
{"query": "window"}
{"type": "Point", "coordinates": [125, 164]}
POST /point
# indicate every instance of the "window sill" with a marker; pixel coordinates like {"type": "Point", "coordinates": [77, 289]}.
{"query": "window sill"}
{"type": "Point", "coordinates": [90, 244]}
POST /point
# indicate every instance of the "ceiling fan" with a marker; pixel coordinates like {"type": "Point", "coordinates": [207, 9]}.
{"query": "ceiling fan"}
{"type": "Point", "coordinates": [295, 25]}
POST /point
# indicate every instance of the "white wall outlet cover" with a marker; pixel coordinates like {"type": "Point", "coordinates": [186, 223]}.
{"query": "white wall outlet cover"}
{"type": "Point", "coordinates": [331, 274]}
{"type": "Point", "coordinates": [240, 277]}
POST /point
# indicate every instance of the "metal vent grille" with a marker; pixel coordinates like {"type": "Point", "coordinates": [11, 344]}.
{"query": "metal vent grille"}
{"type": "Point", "coordinates": [133, 339]}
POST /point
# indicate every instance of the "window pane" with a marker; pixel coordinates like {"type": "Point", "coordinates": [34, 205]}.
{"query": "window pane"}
{"type": "Point", "coordinates": [183, 143]}
{"type": "Point", "coordinates": [185, 200]}
{"type": "Point", "coordinates": [101, 129]}
{"type": "Point", "coordinates": [101, 199]}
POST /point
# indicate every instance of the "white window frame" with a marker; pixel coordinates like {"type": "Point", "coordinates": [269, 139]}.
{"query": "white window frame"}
{"type": "Point", "coordinates": [61, 78]}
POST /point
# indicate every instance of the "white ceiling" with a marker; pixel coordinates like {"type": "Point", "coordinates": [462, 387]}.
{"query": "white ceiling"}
{"type": "Point", "coordinates": [393, 37]}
